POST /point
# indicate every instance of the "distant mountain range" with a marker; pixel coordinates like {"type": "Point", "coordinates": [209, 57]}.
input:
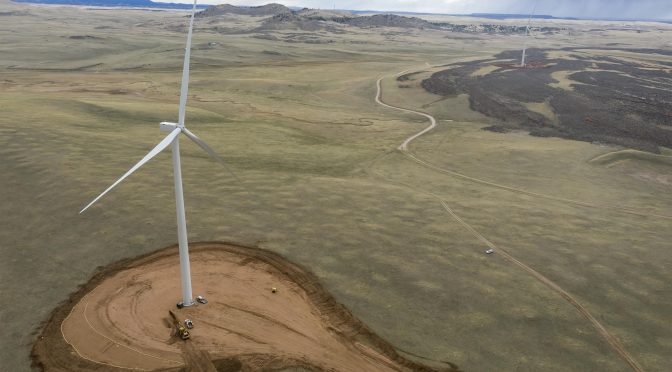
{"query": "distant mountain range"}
{"type": "Point", "coordinates": [275, 9]}
{"type": "Point", "coordinates": [114, 3]}
{"type": "Point", "coordinates": [263, 10]}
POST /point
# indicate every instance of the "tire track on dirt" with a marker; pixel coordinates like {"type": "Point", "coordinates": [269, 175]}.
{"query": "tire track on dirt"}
{"type": "Point", "coordinates": [613, 342]}
{"type": "Point", "coordinates": [611, 339]}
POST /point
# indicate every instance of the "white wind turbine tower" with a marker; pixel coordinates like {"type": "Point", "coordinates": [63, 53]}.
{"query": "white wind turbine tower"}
{"type": "Point", "coordinates": [175, 130]}
{"type": "Point", "coordinates": [527, 34]}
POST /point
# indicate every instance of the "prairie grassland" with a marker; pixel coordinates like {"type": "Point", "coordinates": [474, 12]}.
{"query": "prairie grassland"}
{"type": "Point", "coordinates": [322, 184]}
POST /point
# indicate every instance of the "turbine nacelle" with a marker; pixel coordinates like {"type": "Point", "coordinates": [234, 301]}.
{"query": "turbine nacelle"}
{"type": "Point", "coordinates": [167, 126]}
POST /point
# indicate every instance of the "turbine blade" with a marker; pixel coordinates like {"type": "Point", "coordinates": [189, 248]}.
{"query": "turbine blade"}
{"type": "Point", "coordinates": [160, 147]}
{"type": "Point", "coordinates": [209, 150]}
{"type": "Point", "coordinates": [185, 70]}
{"type": "Point", "coordinates": [203, 145]}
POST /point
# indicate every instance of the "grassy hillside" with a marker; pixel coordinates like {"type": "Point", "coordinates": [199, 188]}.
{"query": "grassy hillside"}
{"type": "Point", "coordinates": [82, 93]}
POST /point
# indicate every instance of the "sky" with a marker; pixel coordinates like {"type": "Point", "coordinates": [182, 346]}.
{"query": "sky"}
{"type": "Point", "coordinates": [622, 9]}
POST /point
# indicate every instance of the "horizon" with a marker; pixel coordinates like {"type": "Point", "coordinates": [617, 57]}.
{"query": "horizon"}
{"type": "Point", "coordinates": [645, 12]}
{"type": "Point", "coordinates": [581, 9]}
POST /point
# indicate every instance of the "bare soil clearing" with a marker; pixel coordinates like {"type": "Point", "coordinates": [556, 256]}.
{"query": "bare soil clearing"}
{"type": "Point", "coordinates": [120, 319]}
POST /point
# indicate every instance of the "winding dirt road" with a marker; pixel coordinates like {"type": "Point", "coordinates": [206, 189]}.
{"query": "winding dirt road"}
{"type": "Point", "coordinates": [404, 146]}
{"type": "Point", "coordinates": [404, 149]}
{"type": "Point", "coordinates": [613, 342]}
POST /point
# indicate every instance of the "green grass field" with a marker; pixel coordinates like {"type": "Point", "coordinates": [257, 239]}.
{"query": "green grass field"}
{"type": "Point", "coordinates": [323, 184]}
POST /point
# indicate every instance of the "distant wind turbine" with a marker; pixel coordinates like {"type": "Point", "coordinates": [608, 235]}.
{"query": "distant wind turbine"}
{"type": "Point", "coordinates": [175, 129]}
{"type": "Point", "coordinates": [527, 33]}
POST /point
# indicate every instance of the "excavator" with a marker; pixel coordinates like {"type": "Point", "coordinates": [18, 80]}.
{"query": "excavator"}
{"type": "Point", "coordinates": [182, 331]}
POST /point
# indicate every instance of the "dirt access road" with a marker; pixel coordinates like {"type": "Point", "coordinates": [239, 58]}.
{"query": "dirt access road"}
{"type": "Point", "coordinates": [604, 333]}
{"type": "Point", "coordinates": [404, 149]}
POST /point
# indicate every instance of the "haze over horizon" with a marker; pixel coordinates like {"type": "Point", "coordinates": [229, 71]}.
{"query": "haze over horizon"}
{"type": "Point", "coordinates": [618, 9]}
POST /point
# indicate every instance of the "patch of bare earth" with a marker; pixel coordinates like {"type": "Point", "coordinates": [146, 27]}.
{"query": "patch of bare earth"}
{"type": "Point", "coordinates": [120, 319]}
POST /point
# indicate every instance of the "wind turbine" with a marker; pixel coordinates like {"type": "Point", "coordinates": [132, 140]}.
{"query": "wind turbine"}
{"type": "Point", "coordinates": [527, 33]}
{"type": "Point", "coordinates": [175, 129]}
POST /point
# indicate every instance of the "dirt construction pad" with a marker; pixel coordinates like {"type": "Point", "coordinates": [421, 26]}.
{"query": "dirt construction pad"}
{"type": "Point", "coordinates": [120, 319]}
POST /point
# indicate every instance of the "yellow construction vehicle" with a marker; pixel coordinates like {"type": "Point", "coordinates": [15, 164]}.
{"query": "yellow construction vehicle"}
{"type": "Point", "coordinates": [182, 331]}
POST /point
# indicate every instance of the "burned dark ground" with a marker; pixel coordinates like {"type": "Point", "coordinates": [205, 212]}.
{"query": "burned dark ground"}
{"type": "Point", "coordinates": [609, 98]}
